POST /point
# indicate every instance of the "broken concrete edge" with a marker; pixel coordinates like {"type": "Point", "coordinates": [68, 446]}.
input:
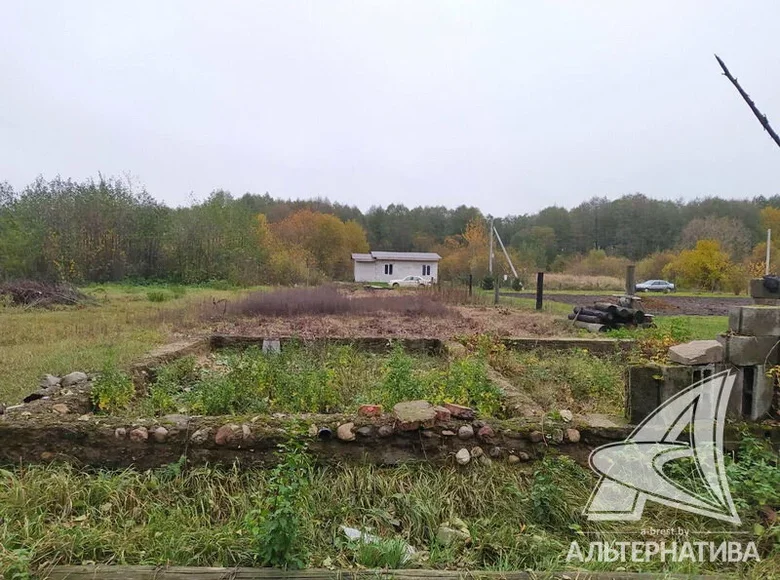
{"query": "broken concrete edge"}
{"type": "Point", "coordinates": [113, 442]}
{"type": "Point", "coordinates": [143, 370]}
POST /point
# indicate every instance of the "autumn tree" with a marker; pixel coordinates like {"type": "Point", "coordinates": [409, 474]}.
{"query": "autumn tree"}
{"type": "Point", "coordinates": [706, 266]}
{"type": "Point", "coordinates": [732, 235]}
{"type": "Point", "coordinates": [323, 241]}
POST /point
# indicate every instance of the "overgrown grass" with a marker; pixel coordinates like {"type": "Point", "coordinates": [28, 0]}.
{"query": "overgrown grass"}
{"type": "Point", "coordinates": [573, 379]}
{"type": "Point", "coordinates": [518, 519]}
{"type": "Point", "coordinates": [121, 327]}
{"type": "Point", "coordinates": [325, 379]}
{"type": "Point", "coordinates": [328, 300]}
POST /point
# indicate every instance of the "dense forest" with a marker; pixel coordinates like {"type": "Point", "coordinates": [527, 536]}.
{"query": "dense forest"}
{"type": "Point", "coordinates": [108, 230]}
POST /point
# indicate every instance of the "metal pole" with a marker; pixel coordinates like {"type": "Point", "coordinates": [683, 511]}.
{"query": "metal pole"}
{"type": "Point", "coordinates": [539, 289]}
{"type": "Point", "coordinates": [495, 290]}
{"type": "Point", "coordinates": [471, 284]}
{"type": "Point", "coordinates": [490, 258]}
{"type": "Point", "coordinates": [768, 244]}
{"type": "Point", "coordinates": [506, 254]}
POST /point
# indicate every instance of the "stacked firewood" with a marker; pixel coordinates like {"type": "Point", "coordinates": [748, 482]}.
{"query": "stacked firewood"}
{"type": "Point", "coordinates": [603, 316]}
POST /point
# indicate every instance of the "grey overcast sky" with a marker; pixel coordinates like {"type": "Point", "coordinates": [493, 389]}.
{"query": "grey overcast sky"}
{"type": "Point", "coordinates": [510, 106]}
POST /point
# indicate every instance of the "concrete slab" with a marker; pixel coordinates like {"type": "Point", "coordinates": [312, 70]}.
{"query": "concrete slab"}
{"type": "Point", "coordinates": [697, 352]}
{"type": "Point", "coordinates": [755, 320]}
{"type": "Point", "coordinates": [750, 350]}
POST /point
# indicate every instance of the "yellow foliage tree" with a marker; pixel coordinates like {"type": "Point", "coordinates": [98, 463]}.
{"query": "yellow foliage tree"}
{"type": "Point", "coordinates": [322, 241]}
{"type": "Point", "coordinates": [706, 266]}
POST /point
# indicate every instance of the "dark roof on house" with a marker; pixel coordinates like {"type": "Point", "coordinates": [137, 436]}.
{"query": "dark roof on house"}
{"type": "Point", "coordinates": [399, 256]}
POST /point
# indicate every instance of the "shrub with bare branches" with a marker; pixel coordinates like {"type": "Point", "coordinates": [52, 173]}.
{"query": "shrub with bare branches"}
{"type": "Point", "coordinates": [30, 293]}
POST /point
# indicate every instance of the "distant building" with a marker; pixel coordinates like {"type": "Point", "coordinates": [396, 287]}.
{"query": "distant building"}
{"type": "Point", "coordinates": [387, 266]}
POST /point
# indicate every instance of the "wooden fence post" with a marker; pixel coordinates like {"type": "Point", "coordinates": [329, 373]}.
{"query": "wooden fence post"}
{"type": "Point", "coordinates": [539, 289]}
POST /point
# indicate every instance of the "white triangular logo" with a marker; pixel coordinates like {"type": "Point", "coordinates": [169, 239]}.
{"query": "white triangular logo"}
{"type": "Point", "coordinates": [633, 471]}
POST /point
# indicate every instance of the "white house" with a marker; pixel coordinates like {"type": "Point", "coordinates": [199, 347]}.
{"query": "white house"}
{"type": "Point", "coordinates": [387, 266]}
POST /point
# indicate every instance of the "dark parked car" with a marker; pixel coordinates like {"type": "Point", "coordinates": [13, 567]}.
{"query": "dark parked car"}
{"type": "Point", "coordinates": [655, 286]}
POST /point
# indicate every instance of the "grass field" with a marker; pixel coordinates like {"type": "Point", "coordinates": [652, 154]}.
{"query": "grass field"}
{"type": "Point", "coordinates": [130, 320]}
{"type": "Point", "coordinates": [120, 328]}
{"type": "Point", "coordinates": [517, 519]}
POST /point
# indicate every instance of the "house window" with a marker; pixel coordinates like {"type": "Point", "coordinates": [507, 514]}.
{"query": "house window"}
{"type": "Point", "coordinates": [426, 271]}
{"type": "Point", "coordinates": [388, 269]}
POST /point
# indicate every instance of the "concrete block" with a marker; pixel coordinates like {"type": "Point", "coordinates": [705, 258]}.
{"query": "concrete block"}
{"type": "Point", "coordinates": [272, 345]}
{"type": "Point", "coordinates": [651, 385]}
{"type": "Point", "coordinates": [755, 320]}
{"type": "Point", "coordinates": [756, 391]}
{"type": "Point", "coordinates": [750, 350]}
{"type": "Point", "coordinates": [758, 290]}
{"type": "Point", "coordinates": [697, 352]}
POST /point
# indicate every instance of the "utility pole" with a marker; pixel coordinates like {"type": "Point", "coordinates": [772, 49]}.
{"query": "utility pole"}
{"type": "Point", "coordinates": [490, 258]}
{"type": "Point", "coordinates": [768, 243]}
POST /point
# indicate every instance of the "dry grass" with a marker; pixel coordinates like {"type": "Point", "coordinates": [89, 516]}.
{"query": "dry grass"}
{"type": "Point", "coordinates": [326, 300]}
{"type": "Point", "coordinates": [122, 326]}
{"type": "Point", "coordinates": [580, 282]}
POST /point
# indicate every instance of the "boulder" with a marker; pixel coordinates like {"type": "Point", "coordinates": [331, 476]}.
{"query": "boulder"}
{"type": "Point", "coordinates": [412, 415]}
{"type": "Point", "coordinates": [463, 456]}
{"type": "Point", "coordinates": [697, 352]}
{"type": "Point", "coordinates": [442, 414]}
{"type": "Point", "coordinates": [370, 410]}
{"type": "Point", "coordinates": [536, 436]}
{"type": "Point", "coordinates": [566, 415]}
{"type": "Point", "coordinates": [573, 435]}
{"type": "Point", "coordinates": [466, 432]}
{"type": "Point", "coordinates": [49, 381]}
{"type": "Point", "coordinates": [160, 434]}
{"type": "Point", "coordinates": [485, 433]}
{"type": "Point", "coordinates": [459, 411]}
{"type": "Point", "coordinates": [453, 531]}
{"type": "Point", "coordinates": [73, 379]}
{"type": "Point", "coordinates": [200, 436]}
{"type": "Point", "coordinates": [512, 459]}
{"type": "Point", "coordinates": [226, 434]}
{"type": "Point", "coordinates": [60, 408]}
{"type": "Point", "coordinates": [345, 432]}
{"type": "Point", "coordinates": [385, 431]}
{"type": "Point", "coordinates": [139, 435]}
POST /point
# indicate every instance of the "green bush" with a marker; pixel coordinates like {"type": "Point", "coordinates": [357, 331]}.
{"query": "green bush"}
{"type": "Point", "coordinates": [488, 282]}
{"type": "Point", "coordinates": [177, 290]}
{"type": "Point", "coordinates": [112, 390]}
{"type": "Point", "coordinates": [170, 381]}
{"type": "Point", "coordinates": [517, 284]}
{"type": "Point", "coordinates": [158, 296]}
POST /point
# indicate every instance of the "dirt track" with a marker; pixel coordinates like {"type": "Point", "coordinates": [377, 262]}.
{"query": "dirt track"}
{"type": "Point", "coordinates": [664, 304]}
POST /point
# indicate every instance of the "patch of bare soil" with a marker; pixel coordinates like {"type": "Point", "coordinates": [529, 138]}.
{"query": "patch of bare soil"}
{"type": "Point", "coordinates": [459, 320]}
{"type": "Point", "coordinates": [665, 304]}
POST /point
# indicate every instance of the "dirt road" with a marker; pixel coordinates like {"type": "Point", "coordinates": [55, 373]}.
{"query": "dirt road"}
{"type": "Point", "coordinates": [665, 304]}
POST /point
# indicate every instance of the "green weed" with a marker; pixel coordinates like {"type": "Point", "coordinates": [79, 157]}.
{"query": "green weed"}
{"type": "Point", "coordinates": [112, 390]}
{"type": "Point", "coordinates": [159, 296]}
{"type": "Point", "coordinates": [277, 525]}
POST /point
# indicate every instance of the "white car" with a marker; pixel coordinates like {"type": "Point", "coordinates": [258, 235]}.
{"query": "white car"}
{"type": "Point", "coordinates": [410, 281]}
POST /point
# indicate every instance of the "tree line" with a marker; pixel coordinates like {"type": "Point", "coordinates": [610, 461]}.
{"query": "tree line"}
{"type": "Point", "coordinates": [107, 229]}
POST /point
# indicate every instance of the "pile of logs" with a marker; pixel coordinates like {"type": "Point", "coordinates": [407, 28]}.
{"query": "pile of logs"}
{"type": "Point", "coordinates": [603, 316]}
